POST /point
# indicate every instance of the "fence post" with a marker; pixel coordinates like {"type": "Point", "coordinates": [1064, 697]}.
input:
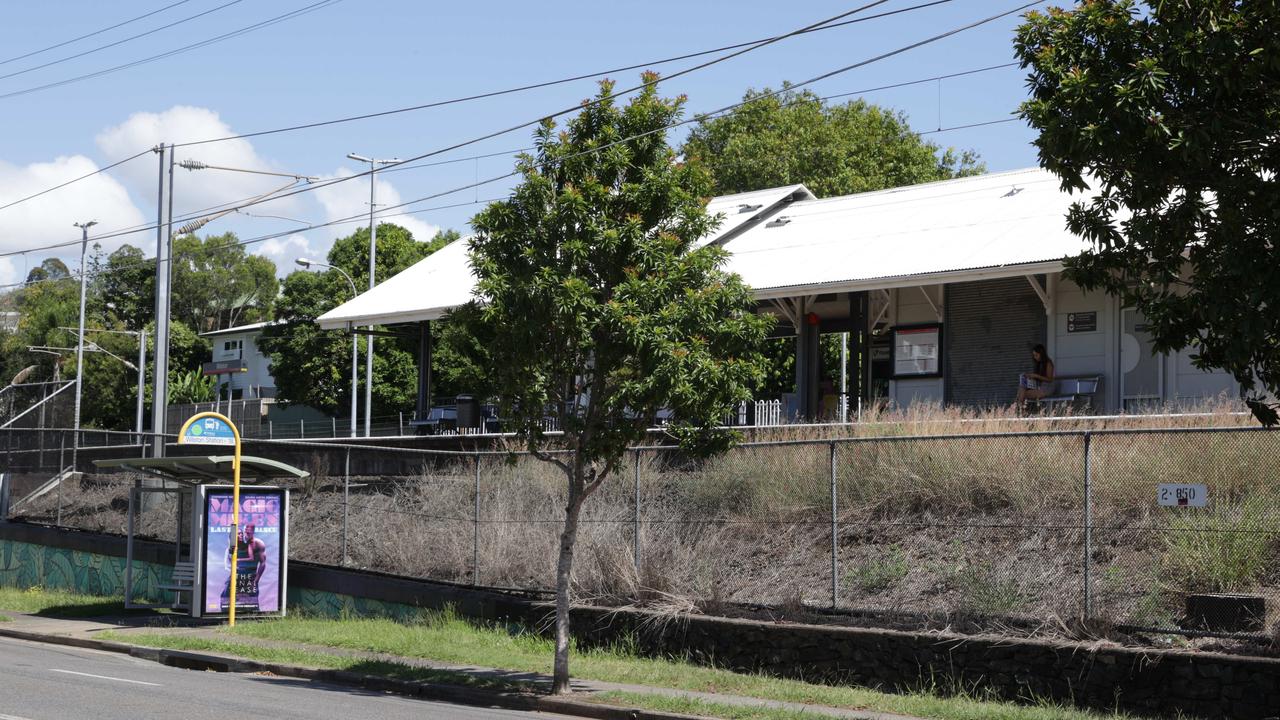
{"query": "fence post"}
{"type": "Point", "coordinates": [270, 431]}
{"type": "Point", "coordinates": [1088, 524]}
{"type": "Point", "coordinates": [475, 530]}
{"type": "Point", "coordinates": [402, 422]}
{"type": "Point", "coordinates": [835, 581]}
{"type": "Point", "coordinates": [635, 517]}
{"type": "Point", "coordinates": [62, 451]}
{"type": "Point", "coordinates": [334, 422]}
{"type": "Point", "coordinates": [346, 492]}
{"type": "Point", "coordinates": [302, 429]}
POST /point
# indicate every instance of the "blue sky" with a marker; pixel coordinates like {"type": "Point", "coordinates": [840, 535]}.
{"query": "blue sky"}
{"type": "Point", "coordinates": [360, 56]}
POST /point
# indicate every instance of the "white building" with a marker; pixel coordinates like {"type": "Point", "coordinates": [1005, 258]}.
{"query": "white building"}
{"type": "Point", "coordinates": [943, 287]}
{"type": "Point", "coordinates": [238, 363]}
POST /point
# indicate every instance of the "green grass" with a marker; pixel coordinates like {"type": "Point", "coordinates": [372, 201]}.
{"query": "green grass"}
{"type": "Point", "coordinates": [445, 637]}
{"type": "Point", "coordinates": [706, 708]}
{"type": "Point", "coordinates": [309, 658]}
{"type": "Point", "coordinates": [57, 603]}
{"type": "Point", "coordinates": [879, 573]}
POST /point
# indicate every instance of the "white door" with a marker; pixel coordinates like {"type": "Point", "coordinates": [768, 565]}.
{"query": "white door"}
{"type": "Point", "coordinates": [1141, 370]}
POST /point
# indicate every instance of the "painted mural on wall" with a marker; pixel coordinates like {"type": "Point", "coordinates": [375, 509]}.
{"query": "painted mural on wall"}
{"type": "Point", "coordinates": [306, 601]}
{"type": "Point", "coordinates": [23, 565]}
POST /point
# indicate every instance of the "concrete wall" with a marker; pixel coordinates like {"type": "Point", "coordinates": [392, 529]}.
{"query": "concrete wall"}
{"type": "Point", "coordinates": [990, 329]}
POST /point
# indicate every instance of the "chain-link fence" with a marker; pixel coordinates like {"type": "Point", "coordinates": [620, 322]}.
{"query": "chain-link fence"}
{"type": "Point", "coordinates": [1150, 530]}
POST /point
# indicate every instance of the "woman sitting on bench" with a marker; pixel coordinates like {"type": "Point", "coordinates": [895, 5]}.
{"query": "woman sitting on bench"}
{"type": "Point", "coordinates": [1039, 382]}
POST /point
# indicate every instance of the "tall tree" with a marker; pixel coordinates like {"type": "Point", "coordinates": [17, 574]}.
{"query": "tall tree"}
{"type": "Point", "coordinates": [313, 366]}
{"type": "Point", "coordinates": [796, 137]}
{"type": "Point", "coordinates": [218, 284]}
{"type": "Point", "coordinates": [1168, 112]}
{"type": "Point", "coordinates": [598, 310]}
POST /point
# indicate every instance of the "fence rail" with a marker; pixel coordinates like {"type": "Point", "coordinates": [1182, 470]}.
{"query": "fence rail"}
{"type": "Point", "coordinates": [1176, 530]}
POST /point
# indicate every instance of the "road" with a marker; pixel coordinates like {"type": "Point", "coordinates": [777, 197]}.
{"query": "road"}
{"type": "Point", "coordinates": [54, 682]}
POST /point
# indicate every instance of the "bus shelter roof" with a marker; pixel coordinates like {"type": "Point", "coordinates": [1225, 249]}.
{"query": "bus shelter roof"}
{"type": "Point", "coordinates": [198, 469]}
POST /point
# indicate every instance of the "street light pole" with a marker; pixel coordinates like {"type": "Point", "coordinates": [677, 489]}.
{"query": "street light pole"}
{"type": "Point", "coordinates": [373, 255]}
{"type": "Point", "coordinates": [84, 278]}
{"type": "Point", "coordinates": [355, 348]}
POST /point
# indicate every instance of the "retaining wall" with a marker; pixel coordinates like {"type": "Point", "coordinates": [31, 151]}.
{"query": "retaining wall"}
{"type": "Point", "coordinates": [1160, 682]}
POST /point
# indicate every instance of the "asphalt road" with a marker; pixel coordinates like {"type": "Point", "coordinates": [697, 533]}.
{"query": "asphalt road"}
{"type": "Point", "coordinates": [53, 682]}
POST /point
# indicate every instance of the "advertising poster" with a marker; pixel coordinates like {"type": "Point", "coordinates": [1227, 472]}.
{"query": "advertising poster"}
{"type": "Point", "coordinates": [259, 548]}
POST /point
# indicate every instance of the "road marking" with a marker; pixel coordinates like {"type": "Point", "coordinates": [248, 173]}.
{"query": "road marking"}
{"type": "Point", "coordinates": [11, 717]}
{"type": "Point", "coordinates": [104, 677]}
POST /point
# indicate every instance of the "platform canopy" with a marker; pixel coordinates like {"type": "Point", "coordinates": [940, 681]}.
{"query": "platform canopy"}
{"type": "Point", "coordinates": [785, 243]}
{"type": "Point", "coordinates": [203, 469]}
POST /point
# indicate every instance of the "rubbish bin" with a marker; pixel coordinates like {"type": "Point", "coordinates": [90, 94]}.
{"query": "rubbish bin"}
{"type": "Point", "coordinates": [468, 411]}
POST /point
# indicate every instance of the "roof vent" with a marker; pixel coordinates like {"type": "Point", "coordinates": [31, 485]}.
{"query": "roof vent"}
{"type": "Point", "coordinates": [745, 208]}
{"type": "Point", "coordinates": [779, 221]}
{"type": "Point", "coordinates": [1012, 191]}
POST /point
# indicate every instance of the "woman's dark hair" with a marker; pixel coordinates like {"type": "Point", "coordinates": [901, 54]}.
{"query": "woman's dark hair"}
{"type": "Point", "coordinates": [1042, 365]}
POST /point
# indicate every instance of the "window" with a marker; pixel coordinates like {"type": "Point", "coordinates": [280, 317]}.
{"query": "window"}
{"type": "Point", "coordinates": [230, 345]}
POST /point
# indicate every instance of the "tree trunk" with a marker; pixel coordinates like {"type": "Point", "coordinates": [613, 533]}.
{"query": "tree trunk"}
{"type": "Point", "coordinates": [564, 572]}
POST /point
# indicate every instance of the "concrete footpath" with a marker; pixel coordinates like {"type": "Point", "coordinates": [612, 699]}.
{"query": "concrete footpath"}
{"type": "Point", "coordinates": [85, 632]}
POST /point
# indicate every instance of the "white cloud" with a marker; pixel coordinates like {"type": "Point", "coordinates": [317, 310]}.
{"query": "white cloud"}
{"type": "Point", "coordinates": [9, 272]}
{"type": "Point", "coordinates": [284, 250]}
{"type": "Point", "coordinates": [351, 198]}
{"type": "Point", "coordinates": [48, 219]}
{"type": "Point", "coordinates": [193, 190]}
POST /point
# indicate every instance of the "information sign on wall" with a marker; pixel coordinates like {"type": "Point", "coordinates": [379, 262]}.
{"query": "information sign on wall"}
{"type": "Point", "coordinates": [1082, 322]}
{"type": "Point", "coordinates": [261, 550]}
{"type": "Point", "coordinates": [1182, 495]}
{"type": "Point", "coordinates": [917, 351]}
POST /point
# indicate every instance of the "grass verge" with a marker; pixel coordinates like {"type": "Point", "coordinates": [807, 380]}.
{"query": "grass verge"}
{"type": "Point", "coordinates": [444, 637]}
{"type": "Point", "coordinates": [57, 603]}
{"type": "Point", "coordinates": [310, 658]}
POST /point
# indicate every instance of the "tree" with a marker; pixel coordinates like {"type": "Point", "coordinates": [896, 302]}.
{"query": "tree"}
{"type": "Point", "coordinates": [1168, 112]}
{"type": "Point", "coordinates": [217, 284]}
{"type": "Point", "coordinates": [796, 137]}
{"type": "Point", "coordinates": [313, 366]}
{"type": "Point", "coordinates": [599, 311]}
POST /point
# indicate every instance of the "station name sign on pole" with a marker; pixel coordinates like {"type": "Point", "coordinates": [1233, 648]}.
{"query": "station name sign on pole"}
{"type": "Point", "coordinates": [211, 428]}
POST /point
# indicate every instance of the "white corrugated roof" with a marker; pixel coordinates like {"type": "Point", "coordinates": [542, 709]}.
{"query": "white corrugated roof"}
{"type": "Point", "coordinates": [239, 328]}
{"type": "Point", "coordinates": [1001, 220]}
{"type": "Point", "coordinates": [1003, 223]}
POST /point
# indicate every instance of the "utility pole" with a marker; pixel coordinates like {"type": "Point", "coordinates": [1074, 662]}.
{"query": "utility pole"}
{"type": "Point", "coordinates": [308, 263]}
{"type": "Point", "coordinates": [373, 255]}
{"type": "Point", "coordinates": [84, 278]}
{"type": "Point", "coordinates": [160, 392]}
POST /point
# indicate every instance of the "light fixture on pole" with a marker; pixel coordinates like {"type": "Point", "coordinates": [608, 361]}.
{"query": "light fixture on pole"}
{"type": "Point", "coordinates": [306, 263]}
{"type": "Point", "coordinates": [84, 277]}
{"type": "Point", "coordinates": [140, 367]}
{"type": "Point", "coordinates": [373, 256]}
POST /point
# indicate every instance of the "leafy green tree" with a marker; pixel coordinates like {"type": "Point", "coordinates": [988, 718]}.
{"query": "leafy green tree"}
{"type": "Point", "coordinates": [1168, 112]}
{"type": "Point", "coordinates": [598, 310]}
{"type": "Point", "coordinates": [313, 366]}
{"type": "Point", "coordinates": [796, 137]}
{"type": "Point", "coordinates": [217, 284]}
{"type": "Point", "coordinates": [49, 269]}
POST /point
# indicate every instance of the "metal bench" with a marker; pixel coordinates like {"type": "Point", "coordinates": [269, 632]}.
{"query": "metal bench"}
{"type": "Point", "coordinates": [182, 581]}
{"type": "Point", "coordinates": [1071, 390]}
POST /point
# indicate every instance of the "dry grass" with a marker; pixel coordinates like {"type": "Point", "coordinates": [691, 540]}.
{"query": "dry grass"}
{"type": "Point", "coordinates": [933, 530]}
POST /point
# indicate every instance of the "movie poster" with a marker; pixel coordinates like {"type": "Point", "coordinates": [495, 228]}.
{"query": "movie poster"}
{"type": "Point", "coordinates": [258, 547]}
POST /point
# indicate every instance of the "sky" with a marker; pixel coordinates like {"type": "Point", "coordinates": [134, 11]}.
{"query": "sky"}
{"type": "Point", "coordinates": [350, 57]}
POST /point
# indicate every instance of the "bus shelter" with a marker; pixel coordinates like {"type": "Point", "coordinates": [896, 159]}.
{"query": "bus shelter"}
{"type": "Point", "coordinates": [203, 540]}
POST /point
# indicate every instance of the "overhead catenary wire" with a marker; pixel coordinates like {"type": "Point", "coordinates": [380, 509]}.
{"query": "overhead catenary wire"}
{"type": "Point", "coordinates": [816, 28]}
{"type": "Point", "coordinates": [176, 51]}
{"type": "Point", "coordinates": [86, 36]}
{"type": "Point", "coordinates": [122, 41]}
{"type": "Point", "coordinates": [696, 118]}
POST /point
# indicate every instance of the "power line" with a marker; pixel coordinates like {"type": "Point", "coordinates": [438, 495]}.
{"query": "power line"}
{"type": "Point", "coordinates": [813, 28]}
{"type": "Point", "coordinates": [551, 83]}
{"type": "Point", "coordinates": [95, 32]}
{"type": "Point", "coordinates": [697, 118]}
{"type": "Point", "coordinates": [76, 180]}
{"type": "Point", "coordinates": [186, 48]}
{"type": "Point", "coordinates": [153, 31]}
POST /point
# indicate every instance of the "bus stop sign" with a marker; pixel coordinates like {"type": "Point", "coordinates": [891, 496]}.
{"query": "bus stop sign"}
{"type": "Point", "coordinates": [207, 431]}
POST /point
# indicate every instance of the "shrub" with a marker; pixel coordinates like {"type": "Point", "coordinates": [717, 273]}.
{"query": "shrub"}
{"type": "Point", "coordinates": [879, 573]}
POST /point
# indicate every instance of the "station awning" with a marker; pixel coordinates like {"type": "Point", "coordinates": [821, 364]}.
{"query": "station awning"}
{"type": "Point", "coordinates": [198, 469]}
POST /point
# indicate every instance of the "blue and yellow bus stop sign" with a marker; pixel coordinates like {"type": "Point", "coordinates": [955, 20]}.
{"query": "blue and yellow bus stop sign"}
{"type": "Point", "coordinates": [211, 428]}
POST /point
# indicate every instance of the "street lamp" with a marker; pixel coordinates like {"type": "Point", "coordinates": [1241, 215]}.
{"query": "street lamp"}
{"type": "Point", "coordinates": [306, 263]}
{"type": "Point", "coordinates": [140, 367]}
{"type": "Point", "coordinates": [84, 277]}
{"type": "Point", "coordinates": [373, 254]}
